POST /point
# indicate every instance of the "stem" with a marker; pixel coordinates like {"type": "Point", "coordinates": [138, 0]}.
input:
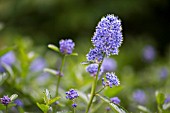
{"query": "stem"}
{"type": "Point", "coordinates": [6, 109]}
{"type": "Point", "coordinates": [74, 110]}
{"type": "Point", "coordinates": [100, 90]}
{"type": "Point", "coordinates": [59, 77]}
{"type": "Point", "coordinates": [94, 87]}
{"type": "Point", "coordinates": [159, 109]}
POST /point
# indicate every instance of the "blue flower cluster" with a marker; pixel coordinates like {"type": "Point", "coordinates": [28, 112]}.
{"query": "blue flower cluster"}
{"type": "Point", "coordinates": [111, 80]}
{"type": "Point", "coordinates": [72, 94]}
{"type": "Point", "coordinates": [95, 55]}
{"type": "Point", "coordinates": [115, 100]}
{"type": "Point", "coordinates": [92, 69]}
{"type": "Point", "coordinates": [108, 35]}
{"type": "Point", "coordinates": [5, 100]}
{"type": "Point", "coordinates": [66, 46]}
{"type": "Point", "coordinates": [107, 38]}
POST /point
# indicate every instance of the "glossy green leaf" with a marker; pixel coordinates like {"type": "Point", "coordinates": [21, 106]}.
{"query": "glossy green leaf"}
{"type": "Point", "coordinates": [43, 107]}
{"type": "Point", "coordinates": [3, 77]}
{"type": "Point", "coordinates": [114, 91]}
{"type": "Point", "coordinates": [87, 62]}
{"type": "Point", "coordinates": [51, 71]}
{"type": "Point", "coordinates": [64, 111]}
{"type": "Point", "coordinates": [166, 106]}
{"type": "Point", "coordinates": [53, 100]}
{"type": "Point", "coordinates": [115, 107]}
{"type": "Point", "coordinates": [83, 96]}
{"type": "Point", "coordinates": [53, 47]}
{"type": "Point", "coordinates": [143, 109]}
{"type": "Point", "coordinates": [160, 97]}
{"type": "Point", "coordinates": [8, 68]}
{"type": "Point", "coordinates": [74, 54]}
{"type": "Point", "coordinates": [47, 96]}
{"type": "Point", "coordinates": [13, 97]}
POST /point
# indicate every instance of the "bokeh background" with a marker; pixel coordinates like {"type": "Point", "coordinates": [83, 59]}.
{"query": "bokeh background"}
{"type": "Point", "coordinates": [145, 52]}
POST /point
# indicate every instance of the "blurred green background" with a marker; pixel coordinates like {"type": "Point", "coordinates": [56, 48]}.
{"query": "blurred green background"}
{"type": "Point", "coordinates": [51, 20]}
{"type": "Point", "coordinates": [33, 24]}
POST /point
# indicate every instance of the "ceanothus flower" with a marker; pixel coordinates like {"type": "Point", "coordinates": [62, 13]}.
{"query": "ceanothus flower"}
{"type": "Point", "coordinates": [111, 80]}
{"type": "Point", "coordinates": [71, 94]}
{"type": "Point", "coordinates": [18, 102]}
{"type": "Point", "coordinates": [167, 100]}
{"type": "Point", "coordinates": [115, 100]}
{"type": "Point", "coordinates": [5, 100]}
{"type": "Point", "coordinates": [139, 96]}
{"type": "Point", "coordinates": [149, 53]}
{"type": "Point", "coordinates": [74, 105]}
{"type": "Point", "coordinates": [109, 65]}
{"type": "Point", "coordinates": [163, 73]}
{"type": "Point", "coordinates": [93, 68]}
{"type": "Point", "coordinates": [108, 35]}
{"type": "Point", "coordinates": [38, 64]}
{"type": "Point", "coordinates": [95, 55]}
{"type": "Point", "coordinates": [66, 46]}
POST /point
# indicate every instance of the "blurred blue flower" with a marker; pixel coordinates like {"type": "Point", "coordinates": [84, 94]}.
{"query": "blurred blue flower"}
{"type": "Point", "coordinates": [66, 46]}
{"type": "Point", "coordinates": [109, 65]}
{"type": "Point", "coordinates": [8, 59]}
{"type": "Point", "coordinates": [38, 64]}
{"type": "Point", "coordinates": [71, 94]}
{"type": "Point", "coordinates": [149, 53]}
{"type": "Point", "coordinates": [167, 100]}
{"type": "Point", "coordinates": [74, 105]}
{"type": "Point", "coordinates": [108, 35]}
{"type": "Point", "coordinates": [139, 96]}
{"type": "Point", "coordinates": [108, 109]}
{"type": "Point", "coordinates": [5, 100]}
{"type": "Point", "coordinates": [95, 55]}
{"type": "Point", "coordinates": [111, 80]}
{"type": "Point", "coordinates": [18, 102]}
{"type": "Point", "coordinates": [163, 73]}
{"type": "Point", "coordinates": [115, 100]}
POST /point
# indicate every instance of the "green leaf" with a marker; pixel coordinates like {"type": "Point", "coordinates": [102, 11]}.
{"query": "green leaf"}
{"type": "Point", "coordinates": [74, 54]}
{"type": "Point", "coordinates": [115, 107]}
{"type": "Point", "coordinates": [53, 47]}
{"type": "Point", "coordinates": [114, 91]}
{"type": "Point", "coordinates": [3, 107]}
{"type": "Point", "coordinates": [160, 97]}
{"type": "Point", "coordinates": [3, 77]}
{"type": "Point", "coordinates": [9, 69]}
{"type": "Point", "coordinates": [87, 62]}
{"type": "Point", "coordinates": [53, 100]}
{"type": "Point", "coordinates": [83, 96]}
{"type": "Point", "coordinates": [13, 97]}
{"type": "Point", "coordinates": [166, 106]}
{"type": "Point", "coordinates": [144, 109]}
{"type": "Point", "coordinates": [51, 71]}
{"type": "Point", "coordinates": [43, 107]}
{"type": "Point", "coordinates": [64, 111]}
{"type": "Point", "coordinates": [47, 96]}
